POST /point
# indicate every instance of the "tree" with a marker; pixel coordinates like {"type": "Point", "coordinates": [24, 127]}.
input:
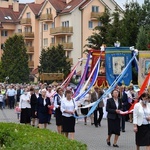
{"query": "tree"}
{"type": "Point", "coordinates": [142, 39]}
{"type": "Point", "coordinates": [130, 23]}
{"type": "Point", "coordinates": [15, 60]}
{"type": "Point", "coordinates": [114, 30]}
{"type": "Point", "coordinates": [53, 60]}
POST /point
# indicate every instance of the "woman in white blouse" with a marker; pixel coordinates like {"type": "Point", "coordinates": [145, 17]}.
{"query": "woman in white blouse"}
{"type": "Point", "coordinates": [25, 107]}
{"type": "Point", "coordinates": [141, 121]}
{"type": "Point", "coordinates": [68, 108]}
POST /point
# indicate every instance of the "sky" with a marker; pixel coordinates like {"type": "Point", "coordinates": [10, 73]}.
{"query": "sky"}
{"type": "Point", "coordinates": [120, 2]}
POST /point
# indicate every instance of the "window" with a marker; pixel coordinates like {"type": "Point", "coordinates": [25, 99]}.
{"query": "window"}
{"type": "Point", "coordinates": [53, 25]}
{"type": "Point", "coordinates": [45, 27]}
{"type": "Point", "coordinates": [45, 42]}
{"type": "Point", "coordinates": [30, 57]}
{"type": "Point", "coordinates": [19, 30]}
{"type": "Point", "coordinates": [99, 24]}
{"type": "Point", "coordinates": [63, 40]}
{"type": "Point", "coordinates": [2, 46]}
{"type": "Point", "coordinates": [28, 29]}
{"type": "Point", "coordinates": [4, 33]}
{"type": "Point", "coordinates": [52, 40]}
{"type": "Point", "coordinates": [28, 15]}
{"type": "Point", "coordinates": [90, 24]}
{"type": "Point", "coordinates": [48, 10]}
{"type": "Point", "coordinates": [65, 23]}
{"type": "Point", "coordinates": [95, 8]}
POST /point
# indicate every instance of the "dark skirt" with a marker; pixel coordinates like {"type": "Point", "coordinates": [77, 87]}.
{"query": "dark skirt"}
{"type": "Point", "coordinates": [142, 137]}
{"type": "Point", "coordinates": [43, 117]}
{"type": "Point", "coordinates": [58, 115]}
{"type": "Point", "coordinates": [33, 112]}
{"type": "Point", "coordinates": [25, 116]}
{"type": "Point", "coordinates": [84, 111]}
{"type": "Point", "coordinates": [114, 126]}
{"type": "Point", "coordinates": [68, 124]}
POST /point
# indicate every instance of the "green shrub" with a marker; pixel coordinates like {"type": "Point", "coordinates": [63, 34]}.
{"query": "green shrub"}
{"type": "Point", "coordinates": [19, 137]}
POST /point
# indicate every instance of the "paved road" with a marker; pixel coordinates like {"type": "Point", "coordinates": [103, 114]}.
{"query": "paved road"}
{"type": "Point", "coordinates": [95, 138]}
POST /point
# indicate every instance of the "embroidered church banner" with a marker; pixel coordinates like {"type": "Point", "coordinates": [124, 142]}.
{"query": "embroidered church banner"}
{"type": "Point", "coordinates": [101, 79]}
{"type": "Point", "coordinates": [116, 60]}
{"type": "Point", "coordinates": [144, 66]}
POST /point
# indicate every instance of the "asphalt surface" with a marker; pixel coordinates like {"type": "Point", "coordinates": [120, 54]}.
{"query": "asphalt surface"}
{"type": "Point", "coordinates": [95, 138]}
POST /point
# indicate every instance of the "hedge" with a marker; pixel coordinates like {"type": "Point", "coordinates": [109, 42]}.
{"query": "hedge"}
{"type": "Point", "coordinates": [19, 137]}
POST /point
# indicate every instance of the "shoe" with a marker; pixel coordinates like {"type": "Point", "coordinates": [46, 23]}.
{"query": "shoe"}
{"type": "Point", "coordinates": [123, 131]}
{"type": "Point", "coordinates": [92, 123]}
{"type": "Point", "coordinates": [115, 145]}
{"type": "Point", "coordinates": [85, 123]}
{"type": "Point", "coordinates": [99, 124]}
{"type": "Point", "coordinates": [108, 143]}
{"type": "Point", "coordinates": [96, 126]}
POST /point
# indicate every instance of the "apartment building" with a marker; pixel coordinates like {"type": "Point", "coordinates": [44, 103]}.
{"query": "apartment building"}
{"type": "Point", "coordinates": [47, 23]}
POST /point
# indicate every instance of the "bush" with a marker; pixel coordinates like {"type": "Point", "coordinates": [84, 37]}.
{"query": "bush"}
{"type": "Point", "coordinates": [18, 137]}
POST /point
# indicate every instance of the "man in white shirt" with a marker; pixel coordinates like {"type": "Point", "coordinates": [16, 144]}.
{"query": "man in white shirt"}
{"type": "Point", "coordinates": [11, 93]}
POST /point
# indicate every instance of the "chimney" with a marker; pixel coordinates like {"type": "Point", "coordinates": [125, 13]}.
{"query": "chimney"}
{"type": "Point", "coordinates": [16, 6]}
{"type": "Point", "coordinates": [68, 1]}
{"type": "Point", "coordinates": [39, 1]}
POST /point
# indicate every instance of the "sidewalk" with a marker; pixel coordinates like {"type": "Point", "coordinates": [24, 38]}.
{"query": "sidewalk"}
{"type": "Point", "coordinates": [95, 138]}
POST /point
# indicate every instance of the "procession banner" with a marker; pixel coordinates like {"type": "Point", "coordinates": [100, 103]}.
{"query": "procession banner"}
{"type": "Point", "coordinates": [101, 79]}
{"type": "Point", "coordinates": [144, 66]}
{"type": "Point", "coordinates": [116, 59]}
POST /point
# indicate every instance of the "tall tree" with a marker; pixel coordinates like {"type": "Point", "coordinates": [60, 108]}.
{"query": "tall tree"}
{"type": "Point", "coordinates": [53, 60]}
{"type": "Point", "coordinates": [130, 23]}
{"type": "Point", "coordinates": [142, 39]}
{"type": "Point", "coordinates": [114, 30]}
{"type": "Point", "coordinates": [15, 60]}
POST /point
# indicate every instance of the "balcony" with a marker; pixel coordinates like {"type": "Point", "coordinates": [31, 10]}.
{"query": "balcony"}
{"type": "Point", "coordinates": [30, 49]}
{"type": "Point", "coordinates": [95, 15]}
{"type": "Point", "coordinates": [26, 21]}
{"type": "Point", "coordinates": [70, 60]}
{"type": "Point", "coordinates": [46, 17]}
{"type": "Point", "coordinates": [31, 64]}
{"type": "Point", "coordinates": [61, 31]}
{"type": "Point", "coordinates": [67, 46]}
{"type": "Point", "coordinates": [28, 35]}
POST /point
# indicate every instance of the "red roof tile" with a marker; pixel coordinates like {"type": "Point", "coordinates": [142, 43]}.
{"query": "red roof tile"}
{"type": "Point", "coordinates": [59, 5]}
{"type": "Point", "coordinates": [8, 15]}
{"type": "Point", "coordinates": [35, 7]}
{"type": "Point", "coordinates": [71, 5]}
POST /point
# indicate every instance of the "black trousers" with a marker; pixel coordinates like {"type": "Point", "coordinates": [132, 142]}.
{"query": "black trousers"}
{"type": "Point", "coordinates": [123, 119]}
{"type": "Point", "coordinates": [97, 120]}
{"type": "Point", "coordinates": [11, 101]}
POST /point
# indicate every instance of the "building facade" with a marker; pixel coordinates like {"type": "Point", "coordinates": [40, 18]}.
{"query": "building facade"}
{"type": "Point", "coordinates": [47, 23]}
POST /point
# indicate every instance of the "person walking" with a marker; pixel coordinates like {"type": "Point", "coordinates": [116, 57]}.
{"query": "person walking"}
{"type": "Point", "coordinates": [94, 97]}
{"type": "Point", "coordinates": [11, 93]}
{"type": "Point", "coordinates": [68, 108]}
{"type": "Point", "coordinates": [141, 122]}
{"type": "Point", "coordinates": [25, 107]}
{"type": "Point", "coordinates": [113, 107]}
{"type": "Point", "coordinates": [42, 107]}
{"type": "Point", "coordinates": [57, 104]}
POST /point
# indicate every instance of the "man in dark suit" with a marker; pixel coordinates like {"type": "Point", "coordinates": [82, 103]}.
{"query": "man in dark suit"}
{"type": "Point", "coordinates": [113, 107]}
{"type": "Point", "coordinates": [94, 97]}
{"type": "Point", "coordinates": [124, 99]}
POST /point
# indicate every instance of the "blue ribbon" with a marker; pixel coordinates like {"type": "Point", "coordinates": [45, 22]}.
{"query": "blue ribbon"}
{"type": "Point", "coordinates": [110, 89]}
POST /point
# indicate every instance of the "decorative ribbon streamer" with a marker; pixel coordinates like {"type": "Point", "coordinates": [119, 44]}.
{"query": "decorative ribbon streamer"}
{"type": "Point", "coordinates": [83, 76]}
{"type": "Point", "coordinates": [83, 89]}
{"type": "Point", "coordinates": [92, 83]}
{"type": "Point", "coordinates": [110, 89]}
